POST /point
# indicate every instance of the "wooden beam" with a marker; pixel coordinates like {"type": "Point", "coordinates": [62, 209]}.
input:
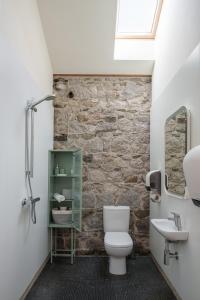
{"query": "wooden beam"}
{"type": "Point", "coordinates": [100, 75]}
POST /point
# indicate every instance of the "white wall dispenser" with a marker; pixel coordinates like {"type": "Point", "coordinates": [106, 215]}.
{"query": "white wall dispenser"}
{"type": "Point", "coordinates": [153, 184]}
{"type": "Point", "coordinates": [191, 167]}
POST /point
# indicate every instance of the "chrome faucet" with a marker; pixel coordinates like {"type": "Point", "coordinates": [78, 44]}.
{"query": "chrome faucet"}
{"type": "Point", "coordinates": [177, 220]}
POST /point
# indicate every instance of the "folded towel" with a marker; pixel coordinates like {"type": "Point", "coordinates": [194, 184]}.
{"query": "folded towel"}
{"type": "Point", "coordinates": [59, 197]}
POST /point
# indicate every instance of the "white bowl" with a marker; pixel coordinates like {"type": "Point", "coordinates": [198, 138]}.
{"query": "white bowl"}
{"type": "Point", "coordinates": [61, 216]}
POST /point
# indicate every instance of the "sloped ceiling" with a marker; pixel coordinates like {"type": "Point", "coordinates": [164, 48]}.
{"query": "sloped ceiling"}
{"type": "Point", "coordinates": [80, 38]}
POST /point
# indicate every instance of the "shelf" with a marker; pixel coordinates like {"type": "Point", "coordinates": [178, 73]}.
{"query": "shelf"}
{"type": "Point", "coordinates": [62, 250]}
{"type": "Point", "coordinates": [65, 150]}
{"type": "Point", "coordinates": [68, 225]}
{"type": "Point", "coordinates": [67, 160]}
{"type": "Point", "coordinates": [66, 200]}
{"type": "Point", "coordinates": [64, 254]}
{"type": "Point", "coordinates": [65, 176]}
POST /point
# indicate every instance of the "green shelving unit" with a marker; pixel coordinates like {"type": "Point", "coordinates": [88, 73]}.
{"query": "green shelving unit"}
{"type": "Point", "coordinates": [70, 160]}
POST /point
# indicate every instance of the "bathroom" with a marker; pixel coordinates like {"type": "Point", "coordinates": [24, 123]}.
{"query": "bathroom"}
{"type": "Point", "coordinates": [113, 98]}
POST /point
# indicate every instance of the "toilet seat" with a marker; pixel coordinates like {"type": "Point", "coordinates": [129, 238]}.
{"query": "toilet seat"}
{"type": "Point", "coordinates": [118, 240]}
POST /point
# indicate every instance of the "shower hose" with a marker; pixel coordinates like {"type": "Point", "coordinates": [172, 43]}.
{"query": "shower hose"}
{"type": "Point", "coordinates": [30, 196]}
{"type": "Point", "coordinates": [31, 199]}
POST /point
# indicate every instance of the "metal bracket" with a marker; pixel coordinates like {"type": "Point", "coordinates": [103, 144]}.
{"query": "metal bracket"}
{"type": "Point", "coordinates": [25, 202]}
{"type": "Point", "coordinates": [168, 254]}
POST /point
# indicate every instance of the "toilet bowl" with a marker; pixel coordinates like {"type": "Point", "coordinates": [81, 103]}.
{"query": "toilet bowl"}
{"type": "Point", "coordinates": [118, 243]}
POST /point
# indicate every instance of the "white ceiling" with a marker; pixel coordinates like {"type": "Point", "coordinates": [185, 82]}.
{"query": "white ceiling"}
{"type": "Point", "coordinates": [80, 36]}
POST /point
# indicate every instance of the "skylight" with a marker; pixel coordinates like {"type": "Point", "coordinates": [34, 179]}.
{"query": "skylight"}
{"type": "Point", "coordinates": [137, 18]}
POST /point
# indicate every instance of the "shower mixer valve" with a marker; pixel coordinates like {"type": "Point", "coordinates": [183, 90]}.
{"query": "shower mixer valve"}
{"type": "Point", "coordinates": [30, 200]}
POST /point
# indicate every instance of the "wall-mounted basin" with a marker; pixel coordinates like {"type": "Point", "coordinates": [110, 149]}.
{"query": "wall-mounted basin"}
{"type": "Point", "coordinates": [168, 230]}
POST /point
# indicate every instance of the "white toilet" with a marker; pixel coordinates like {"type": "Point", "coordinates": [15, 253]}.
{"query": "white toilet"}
{"type": "Point", "coordinates": [118, 243]}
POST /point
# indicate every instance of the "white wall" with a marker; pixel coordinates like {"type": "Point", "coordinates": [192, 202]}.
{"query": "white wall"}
{"type": "Point", "coordinates": [135, 49]}
{"type": "Point", "coordinates": [183, 90]}
{"type": "Point", "coordinates": [24, 246]}
{"type": "Point", "coordinates": [177, 35]}
{"type": "Point", "coordinates": [21, 26]}
{"type": "Point", "coordinates": [176, 82]}
{"type": "Point", "coordinates": [81, 39]}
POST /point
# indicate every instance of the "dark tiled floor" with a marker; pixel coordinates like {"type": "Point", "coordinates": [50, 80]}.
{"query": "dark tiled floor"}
{"type": "Point", "coordinates": [89, 279]}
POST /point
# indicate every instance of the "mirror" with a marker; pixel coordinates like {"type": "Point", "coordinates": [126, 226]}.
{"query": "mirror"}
{"type": "Point", "coordinates": [177, 144]}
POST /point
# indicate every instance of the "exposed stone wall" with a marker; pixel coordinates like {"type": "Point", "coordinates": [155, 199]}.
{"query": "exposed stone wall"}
{"type": "Point", "coordinates": [108, 117]}
{"type": "Point", "coordinates": [175, 150]}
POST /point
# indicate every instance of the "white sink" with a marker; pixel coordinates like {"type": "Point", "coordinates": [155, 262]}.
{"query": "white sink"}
{"type": "Point", "coordinates": [168, 230]}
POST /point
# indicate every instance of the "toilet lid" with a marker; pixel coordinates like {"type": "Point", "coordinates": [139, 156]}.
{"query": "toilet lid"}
{"type": "Point", "coordinates": [118, 239]}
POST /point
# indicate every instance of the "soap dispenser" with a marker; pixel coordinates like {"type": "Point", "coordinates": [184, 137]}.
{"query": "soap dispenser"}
{"type": "Point", "coordinates": [56, 170]}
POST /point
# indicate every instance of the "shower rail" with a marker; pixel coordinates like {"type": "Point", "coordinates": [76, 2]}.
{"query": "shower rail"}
{"type": "Point", "coordinates": [29, 153]}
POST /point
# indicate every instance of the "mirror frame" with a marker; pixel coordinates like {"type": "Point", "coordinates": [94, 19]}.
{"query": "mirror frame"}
{"type": "Point", "coordinates": [188, 146]}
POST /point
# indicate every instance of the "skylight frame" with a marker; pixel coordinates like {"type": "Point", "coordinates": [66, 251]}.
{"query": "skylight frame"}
{"type": "Point", "coordinates": [145, 35]}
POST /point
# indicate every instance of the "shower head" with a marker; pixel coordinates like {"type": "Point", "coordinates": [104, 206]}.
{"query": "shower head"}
{"type": "Point", "coordinates": [34, 104]}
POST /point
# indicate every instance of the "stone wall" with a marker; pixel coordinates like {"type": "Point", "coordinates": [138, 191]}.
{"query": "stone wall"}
{"type": "Point", "coordinates": [108, 117]}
